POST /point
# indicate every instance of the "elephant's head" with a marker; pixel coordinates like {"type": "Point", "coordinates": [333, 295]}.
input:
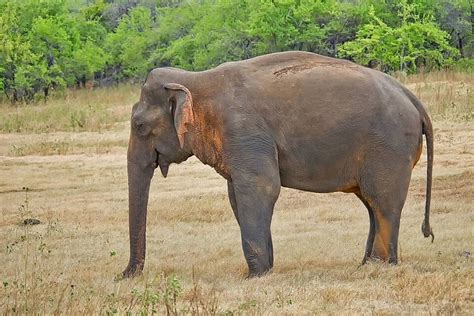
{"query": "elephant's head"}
{"type": "Point", "coordinates": [159, 124]}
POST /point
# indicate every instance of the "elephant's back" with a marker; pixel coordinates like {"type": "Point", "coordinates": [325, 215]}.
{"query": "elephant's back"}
{"type": "Point", "coordinates": [283, 63]}
{"type": "Point", "coordinates": [322, 96]}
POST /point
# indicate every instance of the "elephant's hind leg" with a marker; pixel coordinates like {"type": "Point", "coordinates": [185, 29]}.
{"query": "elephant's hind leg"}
{"type": "Point", "coordinates": [384, 188]}
{"type": "Point", "coordinates": [370, 239]}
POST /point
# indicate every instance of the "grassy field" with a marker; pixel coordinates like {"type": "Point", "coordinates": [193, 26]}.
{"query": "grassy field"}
{"type": "Point", "coordinates": [64, 164]}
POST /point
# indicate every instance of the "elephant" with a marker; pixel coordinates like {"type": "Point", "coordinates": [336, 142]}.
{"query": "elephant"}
{"type": "Point", "coordinates": [292, 119]}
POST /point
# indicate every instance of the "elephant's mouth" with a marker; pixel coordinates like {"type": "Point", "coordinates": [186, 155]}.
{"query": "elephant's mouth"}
{"type": "Point", "coordinates": [162, 163]}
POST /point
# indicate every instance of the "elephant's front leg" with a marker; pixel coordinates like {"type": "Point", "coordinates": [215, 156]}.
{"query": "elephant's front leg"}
{"type": "Point", "coordinates": [256, 192]}
{"type": "Point", "coordinates": [232, 200]}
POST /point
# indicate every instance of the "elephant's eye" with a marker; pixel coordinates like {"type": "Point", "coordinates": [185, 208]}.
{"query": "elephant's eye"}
{"type": "Point", "coordinates": [141, 128]}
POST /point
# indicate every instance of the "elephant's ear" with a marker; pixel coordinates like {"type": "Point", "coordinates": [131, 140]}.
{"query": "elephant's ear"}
{"type": "Point", "coordinates": [181, 102]}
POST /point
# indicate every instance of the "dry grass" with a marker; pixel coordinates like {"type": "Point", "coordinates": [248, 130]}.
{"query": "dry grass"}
{"type": "Point", "coordinates": [61, 143]}
{"type": "Point", "coordinates": [448, 95]}
{"type": "Point", "coordinates": [195, 263]}
{"type": "Point", "coordinates": [73, 111]}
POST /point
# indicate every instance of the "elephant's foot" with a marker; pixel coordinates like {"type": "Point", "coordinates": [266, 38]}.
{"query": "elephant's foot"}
{"type": "Point", "coordinates": [381, 256]}
{"type": "Point", "coordinates": [392, 261]}
{"type": "Point", "coordinates": [257, 268]}
{"type": "Point", "coordinates": [130, 272]}
{"type": "Point", "coordinates": [259, 259]}
{"type": "Point", "coordinates": [372, 258]}
{"type": "Point", "coordinates": [255, 274]}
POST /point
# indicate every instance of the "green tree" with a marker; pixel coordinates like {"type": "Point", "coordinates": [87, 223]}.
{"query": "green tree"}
{"type": "Point", "coordinates": [457, 18]}
{"type": "Point", "coordinates": [174, 38]}
{"type": "Point", "coordinates": [45, 47]}
{"type": "Point", "coordinates": [19, 67]}
{"type": "Point", "coordinates": [206, 35]}
{"type": "Point", "coordinates": [417, 41]}
{"type": "Point", "coordinates": [95, 12]}
{"type": "Point", "coordinates": [90, 57]}
{"type": "Point", "coordinates": [55, 44]}
{"type": "Point", "coordinates": [54, 47]}
{"type": "Point", "coordinates": [130, 44]}
{"type": "Point", "coordinates": [273, 23]}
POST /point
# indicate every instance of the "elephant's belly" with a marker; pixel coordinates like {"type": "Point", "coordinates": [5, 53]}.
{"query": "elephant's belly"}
{"type": "Point", "coordinates": [322, 175]}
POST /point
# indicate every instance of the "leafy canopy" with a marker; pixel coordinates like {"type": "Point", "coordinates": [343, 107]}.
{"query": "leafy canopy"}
{"type": "Point", "coordinates": [52, 44]}
{"type": "Point", "coordinates": [416, 41]}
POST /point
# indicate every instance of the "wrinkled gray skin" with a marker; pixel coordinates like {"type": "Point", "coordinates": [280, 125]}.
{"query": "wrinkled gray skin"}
{"type": "Point", "coordinates": [292, 119]}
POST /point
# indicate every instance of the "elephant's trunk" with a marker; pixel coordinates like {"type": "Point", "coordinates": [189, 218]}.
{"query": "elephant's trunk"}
{"type": "Point", "coordinates": [140, 171]}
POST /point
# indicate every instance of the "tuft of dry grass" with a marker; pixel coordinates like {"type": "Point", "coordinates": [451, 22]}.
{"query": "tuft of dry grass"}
{"type": "Point", "coordinates": [77, 188]}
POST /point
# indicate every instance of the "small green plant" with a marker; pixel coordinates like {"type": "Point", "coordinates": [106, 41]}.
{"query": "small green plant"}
{"type": "Point", "coordinates": [152, 297]}
{"type": "Point", "coordinates": [247, 305]}
{"type": "Point", "coordinates": [170, 294]}
{"type": "Point", "coordinates": [148, 300]}
{"type": "Point", "coordinates": [243, 308]}
{"type": "Point", "coordinates": [78, 119]}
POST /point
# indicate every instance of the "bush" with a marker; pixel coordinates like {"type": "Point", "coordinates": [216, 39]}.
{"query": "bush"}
{"type": "Point", "coordinates": [403, 48]}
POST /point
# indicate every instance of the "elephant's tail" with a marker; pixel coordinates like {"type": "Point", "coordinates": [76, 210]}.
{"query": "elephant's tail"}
{"type": "Point", "coordinates": [427, 129]}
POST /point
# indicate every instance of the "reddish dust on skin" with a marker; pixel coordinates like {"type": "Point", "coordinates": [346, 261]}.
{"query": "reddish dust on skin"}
{"type": "Point", "coordinates": [187, 118]}
{"type": "Point", "coordinates": [418, 153]}
{"type": "Point", "coordinates": [381, 246]}
{"type": "Point", "coordinates": [292, 69]}
{"type": "Point", "coordinates": [382, 237]}
{"type": "Point", "coordinates": [186, 114]}
{"type": "Point", "coordinates": [301, 67]}
{"type": "Point", "coordinates": [207, 140]}
{"type": "Point", "coordinates": [351, 189]}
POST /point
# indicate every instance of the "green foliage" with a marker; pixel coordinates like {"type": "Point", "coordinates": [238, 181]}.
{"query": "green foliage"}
{"type": "Point", "coordinates": [273, 23]}
{"type": "Point", "coordinates": [166, 293]}
{"type": "Point", "coordinates": [95, 12]}
{"type": "Point", "coordinates": [50, 44]}
{"type": "Point", "coordinates": [457, 18]}
{"type": "Point", "coordinates": [199, 36]}
{"type": "Point", "coordinates": [18, 64]}
{"type": "Point", "coordinates": [463, 65]}
{"type": "Point", "coordinates": [129, 45]}
{"type": "Point", "coordinates": [416, 41]}
{"type": "Point", "coordinates": [89, 59]}
{"type": "Point", "coordinates": [45, 48]}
